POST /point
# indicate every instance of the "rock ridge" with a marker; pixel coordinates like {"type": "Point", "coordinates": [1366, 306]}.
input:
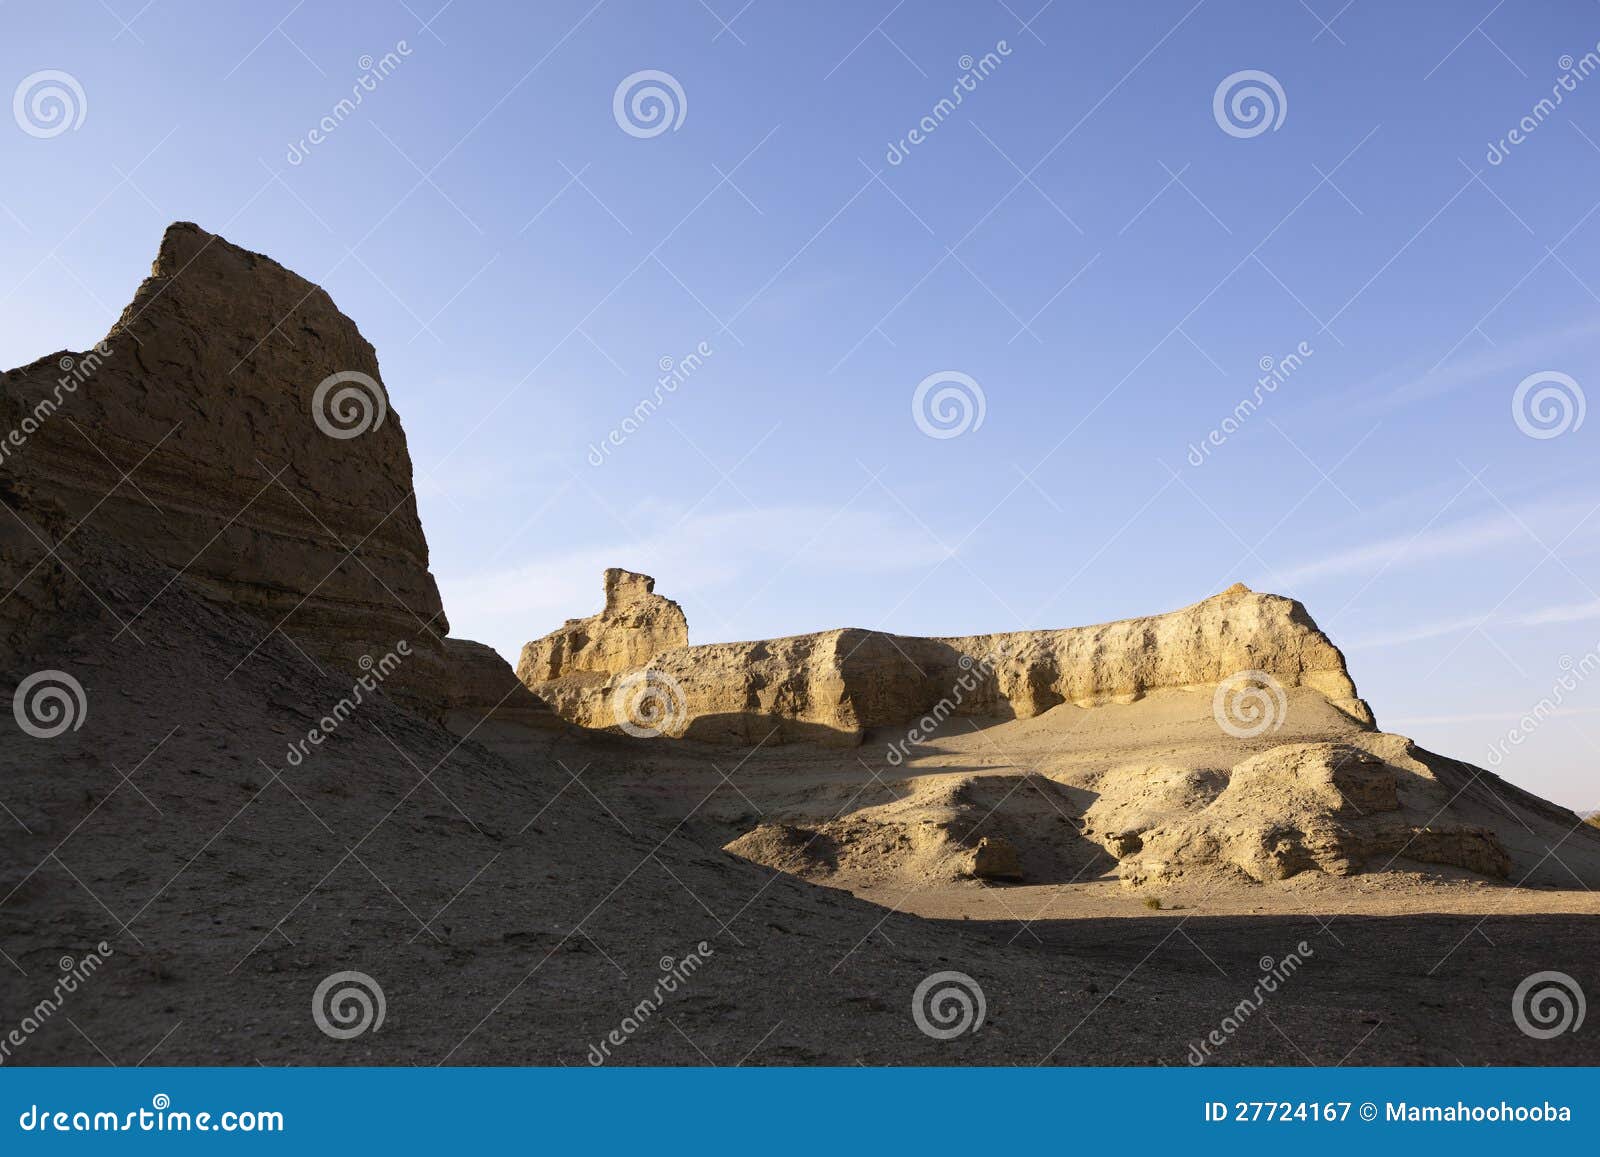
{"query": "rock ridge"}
{"type": "Point", "coordinates": [833, 686]}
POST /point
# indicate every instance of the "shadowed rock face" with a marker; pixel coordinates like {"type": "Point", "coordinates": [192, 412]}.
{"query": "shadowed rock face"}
{"type": "Point", "coordinates": [833, 685]}
{"type": "Point", "coordinates": [192, 434]}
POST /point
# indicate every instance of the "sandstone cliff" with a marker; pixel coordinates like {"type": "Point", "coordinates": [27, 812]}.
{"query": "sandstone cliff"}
{"type": "Point", "coordinates": [233, 427]}
{"type": "Point", "coordinates": [834, 685]}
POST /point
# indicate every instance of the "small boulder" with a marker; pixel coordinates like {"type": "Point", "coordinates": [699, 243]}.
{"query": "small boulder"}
{"type": "Point", "coordinates": [995, 858]}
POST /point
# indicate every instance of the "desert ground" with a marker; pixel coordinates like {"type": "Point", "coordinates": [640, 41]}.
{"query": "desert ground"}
{"type": "Point", "coordinates": [270, 767]}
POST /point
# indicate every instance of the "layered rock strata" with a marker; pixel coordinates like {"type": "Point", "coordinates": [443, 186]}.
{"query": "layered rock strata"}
{"type": "Point", "coordinates": [835, 685]}
{"type": "Point", "coordinates": [233, 426]}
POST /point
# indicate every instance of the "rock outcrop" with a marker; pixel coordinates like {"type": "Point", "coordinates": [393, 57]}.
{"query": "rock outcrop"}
{"type": "Point", "coordinates": [1337, 808]}
{"type": "Point", "coordinates": [635, 626]}
{"type": "Point", "coordinates": [233, 427]}
{"type": "Point", "coordinates": [833, 686]}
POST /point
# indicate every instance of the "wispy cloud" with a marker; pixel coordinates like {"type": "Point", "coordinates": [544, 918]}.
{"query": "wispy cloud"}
{"type": "Point", "coordinates": [1563, 613]}
{"type": "Point", "coordinates": [1568, 522]}
{"type": "Point", "coordinates": [733, 553]}
{"type": "Point", "coordinates": [1452, 541]}
{"type": "Point", "coordinates": [1469, 364]}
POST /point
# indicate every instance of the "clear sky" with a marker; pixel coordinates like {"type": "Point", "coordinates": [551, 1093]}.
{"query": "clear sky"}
{"type": "Point", "coordinates": [1081, 236]}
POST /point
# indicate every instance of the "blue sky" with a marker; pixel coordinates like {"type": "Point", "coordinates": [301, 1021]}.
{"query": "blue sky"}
{"type": "Point", "coordinates": [1081, 238]}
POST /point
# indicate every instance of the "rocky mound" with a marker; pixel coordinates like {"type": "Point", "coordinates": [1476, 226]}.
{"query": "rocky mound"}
{"type": "Point", "coordinates": [233, 427]}
{"type": "Point", "coordinates": [833, 686]}
{"type": "Point", "coordinates": [1337, 808]}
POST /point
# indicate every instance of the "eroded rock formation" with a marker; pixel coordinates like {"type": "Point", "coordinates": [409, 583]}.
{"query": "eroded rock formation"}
{"type": "Point", "coordinates": [834, 685]}
{"type": "Point", "coordinates": [1337, 808]}
{"type": "Point", "coordinates": [635, 626]}
{"type": "Point", "coordinates": [205, 433]}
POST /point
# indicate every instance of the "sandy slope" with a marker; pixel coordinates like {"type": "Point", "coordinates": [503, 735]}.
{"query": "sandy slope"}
{"type": "Point", "coordinates": [513, 914]}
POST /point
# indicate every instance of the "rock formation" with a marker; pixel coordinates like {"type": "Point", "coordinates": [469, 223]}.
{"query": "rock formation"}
{"type": "Point", "coordinates": [233, 427]}
{"type": "Point", "coordinates": [636, 625]}
{"type": "Point", "coordinates": [833, 686]}
{"type": "Point", "coordinates": [1337, 808]}
{"type": "Point", "coordinates": [176, 482]}
{"type": "Point", "coordinates": [483, 687]}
